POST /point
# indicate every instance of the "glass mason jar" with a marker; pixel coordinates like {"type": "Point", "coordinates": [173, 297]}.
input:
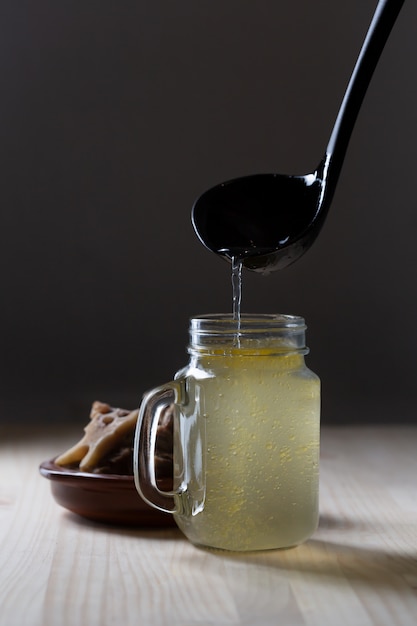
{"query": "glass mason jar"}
{"type": "Point", "coordinates": [245, 439]}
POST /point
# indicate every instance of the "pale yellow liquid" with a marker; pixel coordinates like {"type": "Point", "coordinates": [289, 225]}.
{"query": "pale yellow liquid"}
{"type": "Point", "coordinates": [252, 441]}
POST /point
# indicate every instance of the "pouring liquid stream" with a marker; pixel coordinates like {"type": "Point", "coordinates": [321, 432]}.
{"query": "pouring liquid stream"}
{"type": "Point", "coordinates": [237, 265]}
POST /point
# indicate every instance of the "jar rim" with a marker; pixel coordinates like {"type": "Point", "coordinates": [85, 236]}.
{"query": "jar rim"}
{"type": "Point", "coordinates": [248, 322]}
{"type": "Point", "coordinates": [250, 334]}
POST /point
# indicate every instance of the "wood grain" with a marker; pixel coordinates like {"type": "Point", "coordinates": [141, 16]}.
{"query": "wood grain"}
{"type": "Point", "coordinates": [359, 569]}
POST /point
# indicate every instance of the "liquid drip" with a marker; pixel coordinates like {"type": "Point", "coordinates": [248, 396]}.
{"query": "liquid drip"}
{"type": "Point", "coordinates": [237, 264]}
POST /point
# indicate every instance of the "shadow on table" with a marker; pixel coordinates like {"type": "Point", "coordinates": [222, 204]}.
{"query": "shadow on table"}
{"type": "Point", "coordinates": [373, 563]}
{"type": "Point", "coordinates": [171, 533]}
{"type": "Point", "coordinates": [336, 560]}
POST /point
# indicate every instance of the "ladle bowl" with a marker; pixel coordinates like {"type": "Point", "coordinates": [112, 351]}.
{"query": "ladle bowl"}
{"type": "Point", "coordinates": [268, 221]}
{"type": "Point", "coordinates": [252, 219]}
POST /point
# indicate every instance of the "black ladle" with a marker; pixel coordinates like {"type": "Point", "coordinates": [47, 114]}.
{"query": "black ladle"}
{"type": "Point", "coordinates": [268, 221]}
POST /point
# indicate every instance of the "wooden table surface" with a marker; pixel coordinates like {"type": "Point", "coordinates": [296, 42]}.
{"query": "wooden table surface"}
{"type": "Point", "coordinates": [359, 569]}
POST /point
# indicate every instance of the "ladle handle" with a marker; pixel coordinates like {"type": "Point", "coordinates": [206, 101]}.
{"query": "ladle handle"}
{"type": "Point", "coordinates": [379, 30]}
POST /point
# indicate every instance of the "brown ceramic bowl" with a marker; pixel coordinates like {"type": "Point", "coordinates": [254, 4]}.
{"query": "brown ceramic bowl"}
{"type": "Point", "coordinates": [107, 498]}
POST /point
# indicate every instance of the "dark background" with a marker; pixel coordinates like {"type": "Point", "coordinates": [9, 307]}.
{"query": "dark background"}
{"type": "Point", "coordinates": [115, 116]}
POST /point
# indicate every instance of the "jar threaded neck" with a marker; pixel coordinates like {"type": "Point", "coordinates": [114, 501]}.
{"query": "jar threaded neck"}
{"type": "Point", "coordinates": [253, 332]}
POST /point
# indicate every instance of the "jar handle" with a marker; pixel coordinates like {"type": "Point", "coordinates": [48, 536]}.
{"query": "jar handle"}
{"type": "Point", "coordinates": [152, 405]}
